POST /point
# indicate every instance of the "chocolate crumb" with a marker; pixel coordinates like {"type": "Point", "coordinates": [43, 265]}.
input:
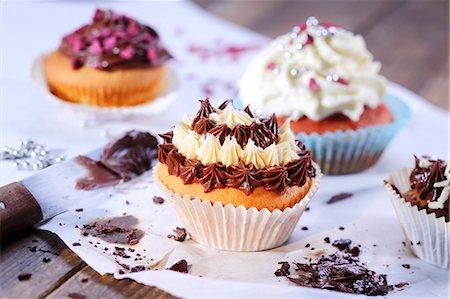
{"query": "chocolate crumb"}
{"type": "Point", "coordinates": [34, 241]}
{"type": "Point", "coordinates": [138, 268]}
{"type": "Point", "coordinates": [284, 269]}
{"type": "Point", "coordinates": [33, 249]}
{"type": "Point", "coordinates": [121, 271]}
{"type": "Point", "coordinates": [339, 197]}
{"type": "Point", "coordinates": [304, 228]}
{"type": "Point", "coordinates": [76, 296]}
{"type": "Point", "coordinates": [307, 208]}
{"type": "Point", "coordinates": [418, 243]}
{"type": "Point", "coordinates": [84, 280]}
{"type": "Point", "coordinates": [76, 244]}
{"type": "Point", "coordinates": [307, 245]}
{"type": "Point", "coordinates": [127, 202]}
{"type": "Point", "coordinates": [341, 228]}
{"type": "Point", "coordinates": [180, 234]}
{"type": "Point", "coordinates": [406, 266]}
{"type": "Point", "coordinates": [354, 251]}
{"type": "Point", "coordinates": [404, 243]}
{"type": "Point", "coordinates": [401, 285]}
{"type": "Point", "coordinates": [79, 210]}
{"type": "Point", "coordinates": [327, 240]}
{"type": "Point", "coordinates": [342, 244]}
{"type": "Point", "coordinates": [24, 276]}
{"type": "Point", "coordinates": [46, 260]}
{"type": "Point", "coordinates": [158, 200]}
{"type": "Point", "coordinates": [180, 266]}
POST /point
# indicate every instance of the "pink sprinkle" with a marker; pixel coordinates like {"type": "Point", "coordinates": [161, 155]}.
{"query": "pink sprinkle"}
{"type": "Point", "coordinates": [309, 40]}
{"type": "Point", "coordinates": [127, 53]}
{"type": "Point", "coordinates": [151, 54]}
{"type": "Point", "coordinates": [77, 44]}
{"type": "Point", "coordinates": [327, 24]}
{"type": "Point", "coordinates": [109, 42]}
{"type": "Point", "coordinates": [232, 51]}
{"type": "Point", "coordinates": [149, 37]}
{"type": "Point", "coordinates": [98, 15]}
{"type": "Point", "coordinates": [270, 66]}
{"type": "Point", "coordinates": [105, 32]}
{"type": "Point", "coordinates": [342, 81]}
{"type": "Point", "coordinates": [313, 85]}
{"type": "Point", "coordinates": [120, 34]}
{"type": "Point", "coordinates": [133, 29]}
{"type": "Point", "coordinates": [302, 26]}
{"type": "Point", "coordinates": [96, 48]}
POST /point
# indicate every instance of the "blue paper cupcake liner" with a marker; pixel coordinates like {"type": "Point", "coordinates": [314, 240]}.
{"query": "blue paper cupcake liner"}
{"type": "Point", "coordinates": [349, 151]}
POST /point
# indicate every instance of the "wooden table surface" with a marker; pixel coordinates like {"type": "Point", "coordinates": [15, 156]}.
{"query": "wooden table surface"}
{"type": "Point", "coordinates": [409, 37]}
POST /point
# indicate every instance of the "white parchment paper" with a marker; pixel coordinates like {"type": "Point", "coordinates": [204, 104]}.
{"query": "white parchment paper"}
{"type": "Point", "coordinates": [368, 217]}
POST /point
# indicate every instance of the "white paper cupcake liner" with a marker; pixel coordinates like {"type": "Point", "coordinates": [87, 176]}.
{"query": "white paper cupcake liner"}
{"type": "Point", "coordinates": [427, 235]}
{"type": "Point", "coordinates": [236, 228]}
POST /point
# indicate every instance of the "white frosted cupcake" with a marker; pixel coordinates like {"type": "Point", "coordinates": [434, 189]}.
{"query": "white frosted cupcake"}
{"type": "Point", "coordinates": [237, 182]}
{"type": "Point", "coordinates": [324, 79]}
{"type": "Point", "coordinates": [420, 196]}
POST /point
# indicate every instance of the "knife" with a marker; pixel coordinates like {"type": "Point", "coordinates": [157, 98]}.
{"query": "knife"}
{"type": "Point", "coordinates": [43, 195]}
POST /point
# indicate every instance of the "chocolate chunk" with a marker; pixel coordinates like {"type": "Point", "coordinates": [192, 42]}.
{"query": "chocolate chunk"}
{"type": "Point", "coordinates": [180, 266]}
{"type": "Point", "coordinates": [76, 296]}
{"type": "Point", "coordinates": [284, 269]}
{"type": "Point", "coordinates": [24, 276]}
{"type": "Point", "coordinates": [406, 266]}
{"type": "Point", "coordinates": [158, 200]}
{"type": "Point", "coordinates": [180, 234]}
{"type": "Point", "coordinates": [342, 244]}
{"type": "Point", "coordinates": [354, 251]}
{"type": "Point", "coordinates": [76, 244]}
{"type": "Point", "coordinates": [339, 197]}
{"type": "Point", "coordinates": [341, 272]}
{"type": "Point", "coordinates": [46, 260]}
{"type": "Point", "coordinates": [327, 240]}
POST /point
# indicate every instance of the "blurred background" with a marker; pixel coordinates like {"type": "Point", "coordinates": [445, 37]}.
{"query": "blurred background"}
{"type": "Point", "coordinates": [410, 37]}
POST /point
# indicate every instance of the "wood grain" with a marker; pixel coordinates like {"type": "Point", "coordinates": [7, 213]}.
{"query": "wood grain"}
{"type": "Point", "coordinates": [409, 37]}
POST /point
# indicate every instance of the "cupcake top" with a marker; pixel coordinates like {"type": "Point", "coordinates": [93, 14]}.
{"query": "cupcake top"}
{"type": "Point", "coordinates": [316, 70]}
{"type": "Point", "coordinates": [226, 147]}
{"type": "Point", "coordinates": [114, 41]}
{"type": "Point", "coordinates": [430, 185]}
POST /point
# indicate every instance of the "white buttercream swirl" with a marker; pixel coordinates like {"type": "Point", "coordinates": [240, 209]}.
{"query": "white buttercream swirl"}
{"type": "Point", "coordinates": [294, 79]}
{"type": "Point", "coordinates": [231, 116]}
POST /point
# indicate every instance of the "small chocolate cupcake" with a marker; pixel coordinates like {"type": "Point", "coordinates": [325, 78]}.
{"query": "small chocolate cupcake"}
{"type": "Point", "coordinates": [421, 199]}
{"type": "Point", "coordinates": [114, 61]}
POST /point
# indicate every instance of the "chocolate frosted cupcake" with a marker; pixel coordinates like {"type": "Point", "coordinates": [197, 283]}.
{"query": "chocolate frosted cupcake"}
{"type": "Point", "coordinates": [323, 79]}
{"type": "Point", "coordinates": [112, 62]}
{"type": "Point", "coordinates": [236, 181]}
{"type": "Point", "coordinates": [421, 199]}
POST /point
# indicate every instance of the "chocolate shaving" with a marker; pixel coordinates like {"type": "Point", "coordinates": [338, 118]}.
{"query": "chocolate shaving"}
{"type": "Point", "coordinates": [180, 234]}
{"type": "Point", "coordinates": [284, 269]}
{"type": "Point", "coordinates": [339, 197]}
{"type": "Point", "coordinates": [341, 272]}
{"type": "Point", "coordinates": [180, 266]}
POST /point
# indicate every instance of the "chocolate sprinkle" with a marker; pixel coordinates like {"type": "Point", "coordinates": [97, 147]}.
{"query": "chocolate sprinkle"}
{"type": "Point", "coordinates": [158, 200]}
{"type": "Point", "coordinates": [24, 276]}
{"type": "Point", "coordinates": [76, 296]}
{"type": "Point", "coordinates": [339, 197]}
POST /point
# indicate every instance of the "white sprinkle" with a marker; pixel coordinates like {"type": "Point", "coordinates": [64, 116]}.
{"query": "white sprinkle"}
{"type": "Point", "coordinates": [280, 46]}
{"type": "Point", "coordinates": [287, 55]}
{"type": "Point", "coordinates": [312, 21]}
{"type": "Point", "coordinates": [299, 46]}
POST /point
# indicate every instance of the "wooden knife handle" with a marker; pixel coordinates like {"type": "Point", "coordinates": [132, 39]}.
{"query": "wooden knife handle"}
{"type": "Point", "coordinates": [18, 209]}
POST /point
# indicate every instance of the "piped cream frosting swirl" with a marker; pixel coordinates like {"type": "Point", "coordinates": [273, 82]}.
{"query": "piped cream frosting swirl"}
{"type": "Point", "coordinates": [316, 70]}
{"type": "Point", "coordinates": [208, 149]}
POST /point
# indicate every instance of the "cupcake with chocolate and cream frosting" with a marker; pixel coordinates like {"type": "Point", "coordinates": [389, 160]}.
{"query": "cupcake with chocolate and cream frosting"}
{"type": "Point", "coordinates": [420, 196]}
{"type": "Point", "coordinates": [114, 61]}
{"type": "Point", "coordinates": [236, 181]}
{"type": "Point", "coordinates": [324, 80]}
